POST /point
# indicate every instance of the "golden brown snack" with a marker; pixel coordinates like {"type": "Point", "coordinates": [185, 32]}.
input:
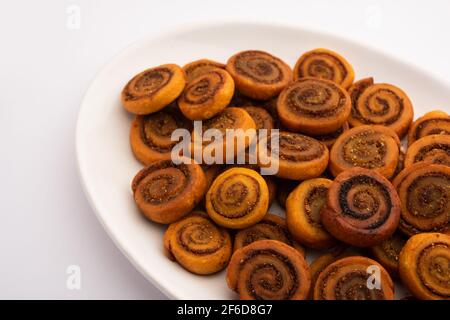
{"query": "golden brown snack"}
{"type": "Point", "coordinates": [261, 116]}
{"type": "Point", "coordinates": [165, 192]}
{"type": "Point", "coordinates": [325, 64]}
{"type": "Point", "coordinates": [258, 75]}
{"type": "Point", "coordinates": [424, 192]}
{"type": "Point", "coordinates": [370, 147]}
{"type": "Point", "coordinates": [382, 104]}
{"type": "Point", "coordinates": [434, 149]}
{"type": "Point", "coordinates": [153, 89]}
{"type": "Point", "coordinates": [330, 138]}
{"type": "Point", "coordinates": [362, 209]}
{"type": "Point", "coordinates": [387, 253]}
{"type": "Point", "coordinates": [238, 198]}
{"type": "Point", "coordinates": [268, 270]}
{"type": "Point", "coordinates": [303, 208]}
{"type": "Point", "coordinates": [230, 118]}
{"type": "Point", "coordinates": [424, 266]}
{"type": "Point", "coordinates": [313, 106]}
{"type": "Point", "coordinates": [200, 67]}
{"type": "Point", "coordinates": [197, 244]}
{"type": "Point", "coordinates": [299, 157]}
{"type": "Point", "coordinates": [207, 95]}
{"type": "Point", "coordinates": [271, 227]}
{"type": "Point", "coordinates": [150, 135]}
{"type": "Point", "coordinates": [347, 278]}
{"type": "Point", "coordinates": [433, 122]}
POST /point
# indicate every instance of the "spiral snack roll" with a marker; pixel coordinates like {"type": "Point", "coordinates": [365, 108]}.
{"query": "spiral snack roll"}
{"type": "Point", "coordinates": [165, 192]}
{"type": "Point", "coordinates": [433, 122]}
{"type": "Point", "coordinates": [330, 138]}
{"type": "Point", "coordinates": [200, 67]}
{"type": "Point", "coordinates": [382, 104]}
{"type": "Point", "coordinates": [303, 208]}
{"type": "Point", "coordinates": [424, 266]}
{"type": "Point", "coordinates": [299, 157]}
{"type": "Point", "coordinates": [206, 95]}
{"type": "Point", "coordinates": [258, 74]}
{"type": "Point", "coordinates": [271, 227]}
{"type": "Point", "coordinates": [424, 192]}
{"type": "Point", "coordinates": [197, 244]}
{"type": "Point", "coordinates": [370, 147]}
{"type": "Point", "coordinates": [153, 89]}
{"type": "Point", "coordinates": [387, 253]}
{"type": "Point", "coordinates": [431, 149]}
{"type": "Point", "coordinates": [313, 106]}
{"type": "Point", "coordinates": [325, 64]}
{"type": "Point", "coordinates": [262, 118]}
{"type": "Point", "coordinates": [347, 279]}
{"type": "Point", "coordinates": [150, 135]}
{"type": "Point", "coordinates": [230, 118]}
{"type": "Point", "coordinates": [362, 208]}
{"type": "Point", "coordinates": [268, 270]}
{"type": "Point", "coordinates": [238, 198]}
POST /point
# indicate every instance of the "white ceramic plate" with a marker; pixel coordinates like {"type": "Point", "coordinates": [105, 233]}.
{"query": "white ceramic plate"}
{"type": "Point", "coordinates": [107, 166]}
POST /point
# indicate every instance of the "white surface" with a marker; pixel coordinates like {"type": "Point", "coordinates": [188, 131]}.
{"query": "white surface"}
{"type": "Point", "coordinates": [45, 69]}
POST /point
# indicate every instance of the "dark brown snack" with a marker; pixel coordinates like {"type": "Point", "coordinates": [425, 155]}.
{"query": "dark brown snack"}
{"type": "Point", "coordinates": [433, 122]}
{"type": "Point", "coordinates": [325, 64]}
{"type": "Point", "coordinates": [382, 104]}
{"type": "Point", "coordinates": [434, 149]}
{"type": "Point", "coordinates": [299, 157]}
{"type": "Point", "coordinates": [285, 187]}
{"type": "Point", "coordinates": [207, 95]}
{"type": "Point", "coordinates": [303, 207]}
{"type": "Point", "coordinates": [424, 192]}
{"type": "Point", "coordinates": [258, 74]}
{"type": "Point", "coordinates": [347, 279]}
{"type": "Point", "coordinates": [387, 253]}
{"type": "Point", "coordinates": [197, 244]}
{"type": "Point", "coordinates": [153, 89]}
{"type": "Point", "coordinates": [362, 208]}
{"type": "Point", "coordinates": [150, 135]}
{"type": "Point", "coordinates": [198, 68]}
{"type": "Point", "coordinates": [165, 192]}
{"type": "Point", "coordinates": [261, 116]}
{"type": "Point", "coordinates": [268, 270]}
{"type": "Point", "coordinates": [424, 266]}
{"type": "Point", "coordinates": [313, 106]}
{"type": "Point", "coordinates": [271, 227]}
{"type": "Point", "coordinates": [370, 147]}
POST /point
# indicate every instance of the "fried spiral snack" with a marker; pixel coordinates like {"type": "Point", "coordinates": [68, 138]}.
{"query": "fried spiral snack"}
{"type": "Point", "coordinates": [303, 208]}
{"type": "Point", "coordinates": [433, 122]}
{"type": "Point", "coordinates": [362, 208]}
{"type": "Point", "coordinates": [380, 103]}
{"type": "Point", "coordinates": [258, 74]}
{"type": "Point", "coordinates": [370, 147]}
{"type": "Point", "coordinates": [268, 270]}
{"type": "Point", "coordinates": [207, 95]}
{"type": "Point", "coordinates": [230, 118]}
{"type": "Point", "coordinates": [238, 198]}
{"type": "Point", "coordinates": [325, 64]}
{"type": "Point", "coordinates": [347, 279]}
{"type": "Point", "coordinates": [313, 106]}
{"type": "Point", "coordinates": [330, 138]}
{"type": "Point", "coordinates": [197, 244]}
{"type": "Point", "coordinates": [387, 253]}
{"type": "Point", "coordinates": [165, 192]}
{"type": "Point", "coordinates": [424, 192]}
{"type": "Point", "coordinates": [431, 149]}
{"type": "Point", "coordinates": [424, 266]}
{"type": "Point", "coordinates": [271, 227]}
{"type": "Point", "coordinates": [153, 89]}
{"type": "Point", "coordinates": [198, 68]}
{"type": "Point", "coordinates": [262, 118]}
{"type": "Point", "coordinates": [150, 135]}
{"type": "Point", "coordinates": [299, 157]}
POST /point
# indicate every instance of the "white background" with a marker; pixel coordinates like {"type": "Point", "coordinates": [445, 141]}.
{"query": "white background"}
{"type": "Point", "coordinates": [45, 67]}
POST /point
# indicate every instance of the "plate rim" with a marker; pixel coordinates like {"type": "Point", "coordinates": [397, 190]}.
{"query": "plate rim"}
{"type": "Point", "coordinates": [187, 28]}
